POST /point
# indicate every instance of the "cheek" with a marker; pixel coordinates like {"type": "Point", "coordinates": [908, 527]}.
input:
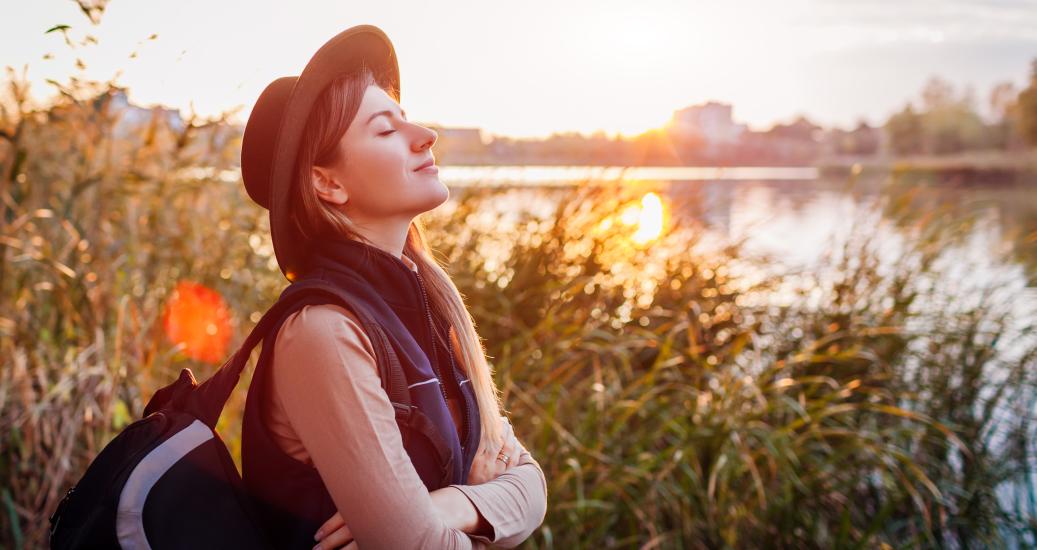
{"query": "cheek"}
{"type": "Point", "coordinates": [380, 161]}
{"type": "Point", "coordinates": [374, 168]}
{"type": "Point", "coordinates": [383, 162]}
{"type": "Point", "coordinates": [381, 181]}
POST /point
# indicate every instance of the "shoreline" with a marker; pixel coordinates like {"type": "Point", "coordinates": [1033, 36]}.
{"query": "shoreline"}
{"type": "Point", "coordinates": [980, 167]}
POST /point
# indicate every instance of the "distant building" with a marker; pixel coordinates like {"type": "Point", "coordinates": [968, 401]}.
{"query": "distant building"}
{"type": "Point", "coordinates": [460, 145]}
{"type": "Point", "coordinates": [706, 133]}
{"type": "Point", "coordinates": [712, 122]}
{"type": "Point", "coordinates": [471, 137]}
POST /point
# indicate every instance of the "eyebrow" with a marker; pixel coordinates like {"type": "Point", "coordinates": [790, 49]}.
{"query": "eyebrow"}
{"type": "Point", "coordinates": [386, 113]}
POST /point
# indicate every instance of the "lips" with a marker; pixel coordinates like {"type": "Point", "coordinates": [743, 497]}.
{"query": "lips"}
{"type": "Point", "coordinates": [426, 164]}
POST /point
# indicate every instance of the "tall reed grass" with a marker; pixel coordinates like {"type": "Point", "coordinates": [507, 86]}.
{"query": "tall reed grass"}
{"type": "Point", "coordinates": [678, 394]}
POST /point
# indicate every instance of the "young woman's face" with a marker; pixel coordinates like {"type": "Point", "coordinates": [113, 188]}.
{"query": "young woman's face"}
{"type": "Point", "coordinates": [375, 178]}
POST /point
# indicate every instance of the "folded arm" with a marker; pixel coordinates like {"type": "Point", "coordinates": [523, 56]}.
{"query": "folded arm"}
{"type": "Point", "coordinates": [326, 377]}
{"type": "Point", "coordinates": [514, 503]}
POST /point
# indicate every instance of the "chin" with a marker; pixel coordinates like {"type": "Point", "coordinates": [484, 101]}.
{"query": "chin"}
{"type": "Point", "coordinates": [440, 193]}
{"type": "Point", "coordinates": [436, 196]}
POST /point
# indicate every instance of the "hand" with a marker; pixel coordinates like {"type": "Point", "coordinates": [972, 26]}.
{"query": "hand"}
{"type": "Point", "coordinates": [486, 466]}
{"type": "Point", "coordinates": [335, 534]}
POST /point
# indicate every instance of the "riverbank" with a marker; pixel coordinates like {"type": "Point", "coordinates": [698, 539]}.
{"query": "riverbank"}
{"type": "Point", "coordinates": [973, 167]}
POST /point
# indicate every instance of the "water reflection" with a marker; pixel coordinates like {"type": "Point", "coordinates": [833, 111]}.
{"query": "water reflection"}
{"type": "Point", "coordinates": [781, 223]}
{"type": "Point", "coordinates": [789, 213]}
{"type": "Point", "coordinates": [547, 176]}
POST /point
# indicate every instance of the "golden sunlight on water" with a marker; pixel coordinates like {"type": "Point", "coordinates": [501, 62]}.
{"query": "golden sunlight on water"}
{"type": "Point", "coordinates": [650, 219]}
{"type": "Point", "coordinates": [647, 217]}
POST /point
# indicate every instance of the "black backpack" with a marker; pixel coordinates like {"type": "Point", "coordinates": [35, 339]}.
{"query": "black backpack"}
{"type": "Point", "coordinates": [168, 480]}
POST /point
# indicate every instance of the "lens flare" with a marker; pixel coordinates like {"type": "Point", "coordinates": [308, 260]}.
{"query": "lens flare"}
{"type": "Point", "coordinates": [197, 318]}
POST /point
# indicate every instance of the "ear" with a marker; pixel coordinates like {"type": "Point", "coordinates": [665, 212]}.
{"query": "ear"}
{"type": "Point", "coordinates": [327, 186]}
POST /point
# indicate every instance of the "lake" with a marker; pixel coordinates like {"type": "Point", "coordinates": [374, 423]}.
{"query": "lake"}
{"type": "Point", "coordinates": [795, 217]}
{"type": "Point", "coordinates": [794, 213]}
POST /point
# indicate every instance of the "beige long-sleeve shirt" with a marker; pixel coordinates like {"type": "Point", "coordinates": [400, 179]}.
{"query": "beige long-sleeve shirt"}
{"type": "Point", "coordinates": [328, 409]}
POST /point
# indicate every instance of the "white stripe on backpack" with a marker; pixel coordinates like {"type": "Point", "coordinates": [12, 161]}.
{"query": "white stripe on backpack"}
{"type": "Point", "coordinates": [129, 522]}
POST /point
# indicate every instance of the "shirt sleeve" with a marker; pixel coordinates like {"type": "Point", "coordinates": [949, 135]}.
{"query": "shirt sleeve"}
{"type": "Point", "coordinates": [514, 503]}
{"type": "Point", "coordinates": [326, 378]}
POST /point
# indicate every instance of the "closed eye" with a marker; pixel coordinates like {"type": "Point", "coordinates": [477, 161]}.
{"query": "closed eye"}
{"type": "Point", "coordinates": [387, 132]}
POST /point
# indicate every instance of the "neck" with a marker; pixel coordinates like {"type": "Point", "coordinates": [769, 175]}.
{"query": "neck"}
{"type": "Point", "coordinates": [364, 265]}
{"type": "Point", "coordinates": [389, 235]}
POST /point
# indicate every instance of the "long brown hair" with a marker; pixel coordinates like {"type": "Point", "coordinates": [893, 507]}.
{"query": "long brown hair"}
{"type": "Point", "coordinates": [331, 115]}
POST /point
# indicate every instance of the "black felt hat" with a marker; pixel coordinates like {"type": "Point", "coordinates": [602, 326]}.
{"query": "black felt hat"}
{"type": "Point", "coordinates": [274, 129]}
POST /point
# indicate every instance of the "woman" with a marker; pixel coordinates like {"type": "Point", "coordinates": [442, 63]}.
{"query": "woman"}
{"type": "Point", "coordinates": [344, 175]}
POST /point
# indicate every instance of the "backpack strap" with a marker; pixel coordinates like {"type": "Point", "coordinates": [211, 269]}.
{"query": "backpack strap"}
{"type": "Point", "coordinates": [208, 399]}
{"type": "Point", "coordinates": [391, 372]}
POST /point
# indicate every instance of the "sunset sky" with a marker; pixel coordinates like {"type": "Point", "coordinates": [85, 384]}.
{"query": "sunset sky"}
{"type": "Point", "coordinates": [533, 67]}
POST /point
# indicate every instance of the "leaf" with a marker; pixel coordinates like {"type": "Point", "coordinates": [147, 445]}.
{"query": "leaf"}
{"type": "Point", "coordinates": [121, 415]}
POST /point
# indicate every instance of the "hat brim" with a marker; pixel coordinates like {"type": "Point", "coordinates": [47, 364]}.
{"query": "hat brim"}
{"type": "Point", "coordinates": [343, 53]}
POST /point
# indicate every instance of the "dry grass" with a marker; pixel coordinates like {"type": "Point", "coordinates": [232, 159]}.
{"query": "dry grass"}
{"type": "Point", "coordinates": [676, 395]}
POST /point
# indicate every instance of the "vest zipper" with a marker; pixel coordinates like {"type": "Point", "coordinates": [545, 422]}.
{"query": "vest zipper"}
{"type": "Point", "coordinates": [434, 338]}
{"type": "Point", "coordinates": [464, 402]}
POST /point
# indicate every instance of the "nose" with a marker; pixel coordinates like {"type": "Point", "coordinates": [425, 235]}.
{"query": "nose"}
{"type": "Point", "coordinates": [426, 137]}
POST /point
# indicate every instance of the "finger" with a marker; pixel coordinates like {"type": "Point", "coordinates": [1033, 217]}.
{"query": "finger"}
{"type": "Point", "coordinates": [511, 449]}
{"type": "Point", "coordinates": [498, 462]}
{"type": "Point", "coordinates": [504, 457]}
{"type": "Point", "coordinates": [506, 438]}
{"type": "Point", "coordinates": [506, 427]}
{"type": "Point", "coordinates": [507, 447]}
{"type": "Point", "coordinates": [336, 538]}
{"type": "Point", "coordinates": [334, 522]}
{"type": "Point", "coordinates": [507, 432]}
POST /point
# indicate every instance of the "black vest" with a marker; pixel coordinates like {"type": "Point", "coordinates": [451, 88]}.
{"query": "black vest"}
{"type": "Point", "coordinates": [290, 496]}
